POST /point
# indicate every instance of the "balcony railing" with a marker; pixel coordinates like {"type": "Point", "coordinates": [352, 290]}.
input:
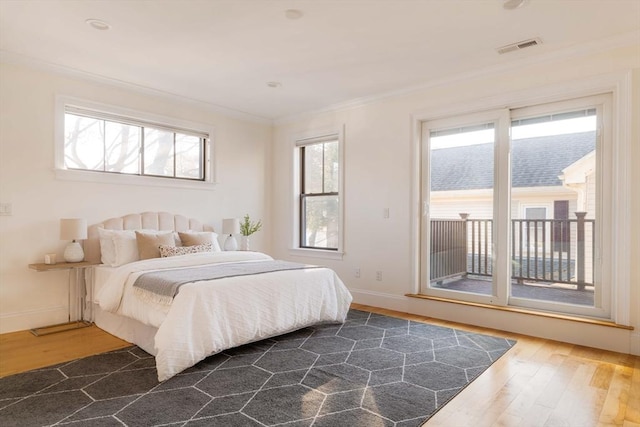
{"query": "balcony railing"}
{"type": "Point", "coordinates": [542, 250]}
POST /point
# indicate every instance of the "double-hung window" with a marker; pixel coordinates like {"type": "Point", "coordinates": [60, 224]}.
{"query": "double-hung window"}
{"type": "Point", "coordinates": [319, 195]}
{"type": "Point", "coordinates": [122, 143]}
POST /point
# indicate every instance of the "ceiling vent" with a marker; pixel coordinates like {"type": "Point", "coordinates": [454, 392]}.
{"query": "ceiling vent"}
{"type": "Point", "coordinates": [518, 46]}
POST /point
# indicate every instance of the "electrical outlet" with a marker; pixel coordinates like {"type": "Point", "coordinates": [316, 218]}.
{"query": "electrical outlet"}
{"type": "Point", "coordinates": [379, 276]}
{"type": "Point", "coordinates": [357, 273]}
{"type": "Point", "coordinates": [5, 209]}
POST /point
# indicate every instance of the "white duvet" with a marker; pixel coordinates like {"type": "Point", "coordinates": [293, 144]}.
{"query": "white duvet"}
{"type": "Point", "coordinates": [210, 316]}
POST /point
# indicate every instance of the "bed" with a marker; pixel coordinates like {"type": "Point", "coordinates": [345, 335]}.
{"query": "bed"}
{"type": "Point", "coordinates": [250, 296]}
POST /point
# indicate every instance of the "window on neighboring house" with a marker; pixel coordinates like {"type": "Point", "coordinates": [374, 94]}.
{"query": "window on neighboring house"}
{"type": "Point", "coordinates": [96, 141]}
{"type": "Point", "coordinates": [534, 232]}
{"type": "Point", "coordinates": [319, 193]}
{"type": "Point", "coordinates": [560, 232]}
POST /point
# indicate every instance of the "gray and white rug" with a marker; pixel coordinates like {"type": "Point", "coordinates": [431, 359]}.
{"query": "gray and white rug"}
{"type": "Point", "coordinates": [373, 370]}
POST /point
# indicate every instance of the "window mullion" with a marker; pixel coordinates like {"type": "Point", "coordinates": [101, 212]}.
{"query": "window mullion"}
{"type": "Point", "coordinates": [324, 153]}
{"type": "Point", "coordinates": [142, 150]}
{"type": "Point", "coordinates": [104, 146]}
{"type": "Point", "coordinates": [175, 170]}
{"type": "Point", "coordinates": [502, 209]}
{"type": "Point", "coordinates": [303, 213]}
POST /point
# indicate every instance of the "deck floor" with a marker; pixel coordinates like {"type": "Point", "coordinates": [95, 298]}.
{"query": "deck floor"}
{"type": "Point", "coordinates": [536, 291]}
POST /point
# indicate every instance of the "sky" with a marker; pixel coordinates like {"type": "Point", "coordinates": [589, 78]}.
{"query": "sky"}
{"type": "Point", "coordinates": [582, 124]}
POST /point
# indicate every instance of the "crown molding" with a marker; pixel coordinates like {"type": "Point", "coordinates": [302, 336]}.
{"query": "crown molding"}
{"type": "Point", "coordinates": [13, 58]}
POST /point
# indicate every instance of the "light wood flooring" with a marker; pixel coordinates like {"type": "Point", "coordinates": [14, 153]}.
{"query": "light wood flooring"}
{"type": "Point", "coordinates": [537, 383]}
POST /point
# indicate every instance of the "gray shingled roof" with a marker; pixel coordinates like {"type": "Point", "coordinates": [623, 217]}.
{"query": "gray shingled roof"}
{"type": "Point", "coordinates": [536, 162]}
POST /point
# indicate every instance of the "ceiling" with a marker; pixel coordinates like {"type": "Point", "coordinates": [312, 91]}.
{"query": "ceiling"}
{"type": "Point", "coordinates": [224, 52]}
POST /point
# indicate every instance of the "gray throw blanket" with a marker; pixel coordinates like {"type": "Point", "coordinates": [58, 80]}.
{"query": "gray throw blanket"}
{"type": "Point", "coordinates": [163, 286]}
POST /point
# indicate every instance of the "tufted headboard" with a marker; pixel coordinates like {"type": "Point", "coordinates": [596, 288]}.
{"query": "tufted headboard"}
{"type": "Point", "coordinates": [142, 221]}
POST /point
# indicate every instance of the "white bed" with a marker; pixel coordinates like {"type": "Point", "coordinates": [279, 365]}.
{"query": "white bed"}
{"type": "Point", "coordinates": [206, 317]}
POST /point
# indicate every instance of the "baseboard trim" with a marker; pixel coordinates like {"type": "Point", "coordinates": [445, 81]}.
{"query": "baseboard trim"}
{"type": "Point", "coordinates": [28, 319]}
{"type": "Point", "coordinates": [380, 299]}
{"type": "Point", "coordinates": [634, 343]}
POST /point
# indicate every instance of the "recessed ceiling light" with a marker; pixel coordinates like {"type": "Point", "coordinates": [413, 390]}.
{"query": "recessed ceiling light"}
{"type": "Point", "coordinates": [513, 4]}
{"type": "Point", "coordinates": [98, 24]}
{"type": "Point", "coordinates": [274, 84]}
{"type": "Point", "coordinates": [293, 14]}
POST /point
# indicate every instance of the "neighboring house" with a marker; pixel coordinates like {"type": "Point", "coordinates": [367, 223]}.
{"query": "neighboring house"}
{"type": "Point", "coordinates": [544, 170]}
{"type": "Point", "coordinates": [552, 178]}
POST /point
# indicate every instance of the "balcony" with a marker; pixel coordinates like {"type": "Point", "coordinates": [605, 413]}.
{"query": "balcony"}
{"type": "Point", "coordinates": [551, 259]}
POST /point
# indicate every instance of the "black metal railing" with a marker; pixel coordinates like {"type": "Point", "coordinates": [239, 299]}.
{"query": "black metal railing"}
{"type": "Point", "coordinates": [542, 250]}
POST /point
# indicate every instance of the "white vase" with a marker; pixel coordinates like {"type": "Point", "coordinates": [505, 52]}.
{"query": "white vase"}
{"type": "Point", "coordinates": [73, 252]}
{"type": "Point", "coordinates": [230, 244]}
{"type": "Point", "coordinates": [244, 243]}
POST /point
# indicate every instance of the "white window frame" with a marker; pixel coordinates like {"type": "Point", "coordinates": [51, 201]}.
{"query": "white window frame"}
{"type": "Point", "coordinates": [605, 149]}
{"type": "Point", "coordinates": [64, 173]}
{"type": "Point", "coordinates": [501, 209]}
{"type": "Point", "coordinates": [299, 140]}
{"type": "Point", "coordinates": [617, 185]}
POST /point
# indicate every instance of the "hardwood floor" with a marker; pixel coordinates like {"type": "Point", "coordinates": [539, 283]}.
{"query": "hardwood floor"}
{"type": "Point", "coordinates": [537, 383]}
{"type": "Point", "coordinates": [23, 351]}
{"type": "Point", "coordinates": [543, 383]}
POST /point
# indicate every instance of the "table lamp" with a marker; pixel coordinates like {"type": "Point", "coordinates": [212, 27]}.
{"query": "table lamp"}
{"type": "Point", "coordinates": [230, 226]}
{"type": "Point", "coordinates": [73, 229]}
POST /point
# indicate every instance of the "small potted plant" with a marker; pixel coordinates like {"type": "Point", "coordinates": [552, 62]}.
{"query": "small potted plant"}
{"type": "Point", "coordinates": [247, 228]}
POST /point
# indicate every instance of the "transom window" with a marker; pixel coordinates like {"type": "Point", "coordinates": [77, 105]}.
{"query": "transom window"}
{"type": "Point", "coordinates": [97, 141]}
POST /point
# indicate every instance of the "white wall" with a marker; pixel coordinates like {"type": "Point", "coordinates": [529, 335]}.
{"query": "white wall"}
{"type": "Point", "coordinates": [380, 157]}
{"type": "Point", "coordinates": [27, 181]}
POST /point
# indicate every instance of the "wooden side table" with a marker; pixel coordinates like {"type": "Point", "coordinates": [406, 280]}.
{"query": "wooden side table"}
{"type": "Point", "coordinates": [78, 268]}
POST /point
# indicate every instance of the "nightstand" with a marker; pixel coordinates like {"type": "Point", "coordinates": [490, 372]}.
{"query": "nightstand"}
{"type": "Point", "coordinates": [78, 270]}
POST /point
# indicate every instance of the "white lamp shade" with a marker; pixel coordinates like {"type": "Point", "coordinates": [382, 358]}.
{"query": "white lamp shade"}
{"type": "Point", "coordinates": [73, 229]}
{"type": "Point", "coordinates": [231, 226]}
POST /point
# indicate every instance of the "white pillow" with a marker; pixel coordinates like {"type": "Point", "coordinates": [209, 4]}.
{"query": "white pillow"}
{"type": "Point", "coordinates": [107, 250]}
{"type": "Point", "coordinates": [126, 248]}
{"type": "Point", "coordinates": [109, 256]}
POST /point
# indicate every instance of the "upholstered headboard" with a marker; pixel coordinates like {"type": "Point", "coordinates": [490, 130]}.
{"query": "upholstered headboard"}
{"type": "Point", "coordinates": [143, 221]}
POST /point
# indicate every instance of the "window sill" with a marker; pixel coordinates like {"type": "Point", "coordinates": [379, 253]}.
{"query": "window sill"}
{"type": "Point", "coordinates": [146, 181]}
{"type": "Point", "coordinates": [520, 310]}
{"type": "Point", "coordinates": [316, 253]}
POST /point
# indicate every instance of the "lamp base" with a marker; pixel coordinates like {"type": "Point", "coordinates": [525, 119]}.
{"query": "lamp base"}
{"type": "Point", "coordinates": [73, 252]}
{"type": "Point", "coordinates": [230, 244]}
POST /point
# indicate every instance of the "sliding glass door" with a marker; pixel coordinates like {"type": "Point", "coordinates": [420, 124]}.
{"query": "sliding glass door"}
{"type": "Point", "coordinates": [511, 207]}
{"type": "Point", "coordinates": [461, 160]}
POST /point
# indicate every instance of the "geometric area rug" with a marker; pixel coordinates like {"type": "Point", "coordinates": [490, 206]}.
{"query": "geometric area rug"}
{"type": "Point", "coordinates": [371, 371]}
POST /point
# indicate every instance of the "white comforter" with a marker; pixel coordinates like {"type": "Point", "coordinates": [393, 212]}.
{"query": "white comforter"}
{"type": "Point", "coordinates": [208, 317]}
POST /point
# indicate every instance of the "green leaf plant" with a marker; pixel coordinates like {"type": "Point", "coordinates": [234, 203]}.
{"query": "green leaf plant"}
{"type": "Point", "coordinates": [248, 227]}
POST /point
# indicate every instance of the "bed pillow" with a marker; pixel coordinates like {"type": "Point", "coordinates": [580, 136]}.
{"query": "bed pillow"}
{"type": "Point", "coordinates": [125, 247]}
{"type": "Point", "coordinates": [113, 254]}
{"type": "Point", "coordinates": [107, 248]}
{"type": "Point", "coordinates": [195, 238]}
{"type": "Point", "coordinates": [168, 251]}
{"type": "Point", "coordinates": [149, 242]}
